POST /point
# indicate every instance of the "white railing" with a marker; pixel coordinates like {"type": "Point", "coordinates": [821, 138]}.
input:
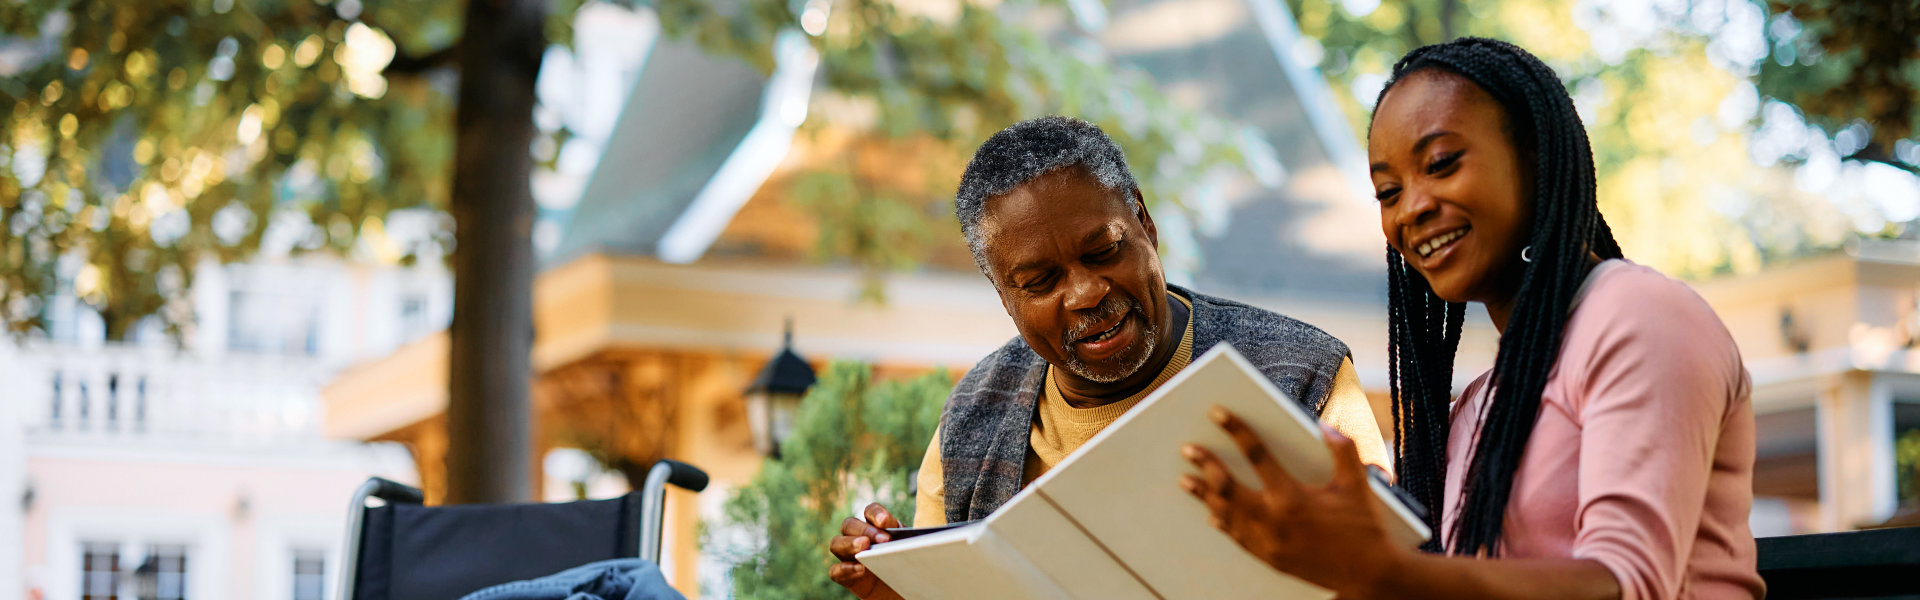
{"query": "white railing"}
{"type": "Point", "coordinates": [124, 391]}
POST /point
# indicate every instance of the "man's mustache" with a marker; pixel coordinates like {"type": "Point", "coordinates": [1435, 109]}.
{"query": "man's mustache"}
{"type": "Point", "coordinates": [1113, 305]}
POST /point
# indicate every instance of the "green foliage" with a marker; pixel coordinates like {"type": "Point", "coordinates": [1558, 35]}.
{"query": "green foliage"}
{"type": "Point", "coordinates": [145, 137]}
{"type": "Point", "coordinates": [1676, 180]}
{"type": "Point", "coordinates": [173, 131]}
{"type": "Point", "coordinates": [868, 222]}
{"type": "Point", "coordinates": [1841, 60]}
{"type": "Point", "coordinates": [1906, 453]}
{"type": "Point", "coordinates": [854, 440]}
{"type": "Point", "coordinates": [936, 87]}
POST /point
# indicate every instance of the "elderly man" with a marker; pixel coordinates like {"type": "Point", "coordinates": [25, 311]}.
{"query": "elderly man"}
{"type": "Point", "coordinates": [1057, 224]}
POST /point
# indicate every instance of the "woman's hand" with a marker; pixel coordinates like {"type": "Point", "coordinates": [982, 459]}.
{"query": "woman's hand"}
{"type": "Point", "coordinates": [1328, 535]}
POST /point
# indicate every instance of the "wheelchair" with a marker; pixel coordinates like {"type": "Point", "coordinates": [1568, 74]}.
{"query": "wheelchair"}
{"type": "Point", "coordinates": [402, 550]}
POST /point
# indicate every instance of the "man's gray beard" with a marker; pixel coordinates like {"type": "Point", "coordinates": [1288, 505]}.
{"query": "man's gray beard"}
{"type": "Point", "coordinates": [1149, 329]}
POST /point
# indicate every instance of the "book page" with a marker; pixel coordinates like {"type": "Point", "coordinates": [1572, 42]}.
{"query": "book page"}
{"type": "Point", "coordinates": [921, 567]}
{"type": "Point", "coordinates": [1123, 486]}
{"type": "Point", "coordinates": [1111, 521]}
{"type": "Point", "coordinates": [1063, 552]}
{"type": "Point", "coordinates": [945, 565]}
{"type": "Point", "coordinates": [967, 563]}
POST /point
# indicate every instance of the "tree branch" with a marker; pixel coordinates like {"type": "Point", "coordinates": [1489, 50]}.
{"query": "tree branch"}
{"type": "Point", "coordinates": [407, 64]}
{"type": "Point", "coordinates": [1877, 152]}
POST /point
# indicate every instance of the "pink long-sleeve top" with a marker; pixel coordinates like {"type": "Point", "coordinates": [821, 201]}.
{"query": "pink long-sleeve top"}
{"type": "Point", "coordinates": [1641, 457]}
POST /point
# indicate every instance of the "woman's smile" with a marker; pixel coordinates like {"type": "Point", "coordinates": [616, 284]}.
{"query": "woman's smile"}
{"type": "Point", "coordinates": [1433, 251]}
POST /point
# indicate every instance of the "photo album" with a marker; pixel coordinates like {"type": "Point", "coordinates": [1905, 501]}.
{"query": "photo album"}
{"type": "Point", "coordinates": [1111, 522]}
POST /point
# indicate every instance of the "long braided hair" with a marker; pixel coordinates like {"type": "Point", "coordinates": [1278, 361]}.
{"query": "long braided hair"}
{"type": "Point", "coordinates": [1424, 330]}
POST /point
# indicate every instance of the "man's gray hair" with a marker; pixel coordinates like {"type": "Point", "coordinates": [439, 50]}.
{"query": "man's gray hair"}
{"type": "Point", "coordinates": [1027, 150]}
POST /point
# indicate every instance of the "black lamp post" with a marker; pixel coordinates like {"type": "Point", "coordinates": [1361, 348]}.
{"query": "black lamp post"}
{"type": "Point", "coordinates": [146, 579]}
{"type": "Point", "coordinates": [774, 398]}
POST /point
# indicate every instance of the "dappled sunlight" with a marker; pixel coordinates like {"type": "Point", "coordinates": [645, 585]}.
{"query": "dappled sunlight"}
{"type": "Point", "coordinates": [232, 233]}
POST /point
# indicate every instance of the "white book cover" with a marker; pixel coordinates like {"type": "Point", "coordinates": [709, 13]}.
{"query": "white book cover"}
{"type": "Point", "coordinates": [1111, 522]}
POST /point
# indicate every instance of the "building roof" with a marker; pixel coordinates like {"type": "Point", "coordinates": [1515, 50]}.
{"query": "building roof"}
{"type": "Point", "coordinates": [1237, 58]}
{"type": "Point", "coordinates": [691, 114]}
{"type": "Point", "coordinates": [688, 112]}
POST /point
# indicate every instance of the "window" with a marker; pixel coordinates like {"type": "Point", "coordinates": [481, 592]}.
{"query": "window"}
{"type": "Point", "coordinates": [239, 336]}
{"type": "Point", "coordinates": [169, 564]}
{"type": "Point", "coordinates": [413, 311]}
{"type": "Point", "coordinates": [53, 416]}
{"type": "Point", "coordinates": [311, 345]}
{"type": "Point", "coordinates": [309, 574]}
{"type": "Point", "coordinates": [273, 322]}
{"type": "Point", "coordinates": [414, 322]}
{"type": "Point", "coordinates": [99, 571]}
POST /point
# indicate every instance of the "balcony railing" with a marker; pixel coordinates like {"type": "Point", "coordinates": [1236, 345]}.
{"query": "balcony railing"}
{"type": "Point", "coordinates": [116, 391]}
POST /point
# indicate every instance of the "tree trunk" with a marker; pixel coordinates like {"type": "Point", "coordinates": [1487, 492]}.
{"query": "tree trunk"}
{"type": "Point", "coordinates": [114, 324]}
{"type": "Point", "coordinates": [489, 430]}
{"type": "Point", "coordinates": [1449, 17]}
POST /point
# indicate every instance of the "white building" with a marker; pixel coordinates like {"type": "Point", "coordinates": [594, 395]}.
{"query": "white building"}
{"type": "Point", "coordinates": [201, 463]}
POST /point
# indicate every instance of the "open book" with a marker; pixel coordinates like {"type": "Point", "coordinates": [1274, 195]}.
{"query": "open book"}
{"type": "Point", "coordinates": [1111, 522]}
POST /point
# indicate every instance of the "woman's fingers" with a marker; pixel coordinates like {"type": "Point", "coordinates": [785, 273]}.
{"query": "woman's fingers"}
{"type": "Point", "coordinates": [1272, 475]}
{"type": "Point", "coordinates": [1193, 485]}
{"type": "Point", "coordinates": [1212, 471]}
{"type": "Point", "coordinates": [1216, 503]}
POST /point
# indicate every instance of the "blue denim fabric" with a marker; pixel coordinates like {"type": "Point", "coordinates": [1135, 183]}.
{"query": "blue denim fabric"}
{"type": "Point", "coordinates": [617, 579]}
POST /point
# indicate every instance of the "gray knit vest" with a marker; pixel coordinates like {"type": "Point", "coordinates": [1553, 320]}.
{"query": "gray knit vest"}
{"type": "Point", "coordinates": [983, 431]}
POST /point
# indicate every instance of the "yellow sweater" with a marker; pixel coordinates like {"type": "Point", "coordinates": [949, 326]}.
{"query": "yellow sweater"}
{"type": "Point", "coordinates": [1059, 428]}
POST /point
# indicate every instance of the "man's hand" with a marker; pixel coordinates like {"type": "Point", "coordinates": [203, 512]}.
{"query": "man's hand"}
{"type": "Point", "coordinates": [856, 536]}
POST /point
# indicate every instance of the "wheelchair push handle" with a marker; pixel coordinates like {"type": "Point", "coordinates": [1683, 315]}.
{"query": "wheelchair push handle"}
{"type": "Point", "coordinates": [393, 492]}
{"type": "Point", "coordinates": [653, 500]}
{"type": "Point", "coordinates": [387, 490]}
{"type": "Point", "coordinates": [683, 475]}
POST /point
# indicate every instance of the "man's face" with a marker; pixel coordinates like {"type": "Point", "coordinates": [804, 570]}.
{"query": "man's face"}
{"type": "Point", "coordinates": [1079, 273]}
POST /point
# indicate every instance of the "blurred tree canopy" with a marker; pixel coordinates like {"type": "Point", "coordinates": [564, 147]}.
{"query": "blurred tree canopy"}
{"type": "Point", "coordinates": [1841, 61]}
{"type": "Point", "coordinates": [1664, 94]}
{"type": "Point", "coordinates": [855, 440]}
{"type": "Point", "coordinates": [145, 137]}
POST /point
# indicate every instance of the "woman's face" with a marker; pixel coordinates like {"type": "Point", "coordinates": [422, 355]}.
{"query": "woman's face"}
{"type": "Point", "coordinates": [1453, 191]}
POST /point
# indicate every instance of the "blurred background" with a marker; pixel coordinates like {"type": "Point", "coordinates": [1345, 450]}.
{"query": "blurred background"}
{"type": "Point", "coordinates": [255, 251]}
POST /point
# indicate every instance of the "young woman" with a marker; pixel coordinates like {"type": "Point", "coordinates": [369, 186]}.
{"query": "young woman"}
{"type": "Point", "coordinates": [1608, 454]}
